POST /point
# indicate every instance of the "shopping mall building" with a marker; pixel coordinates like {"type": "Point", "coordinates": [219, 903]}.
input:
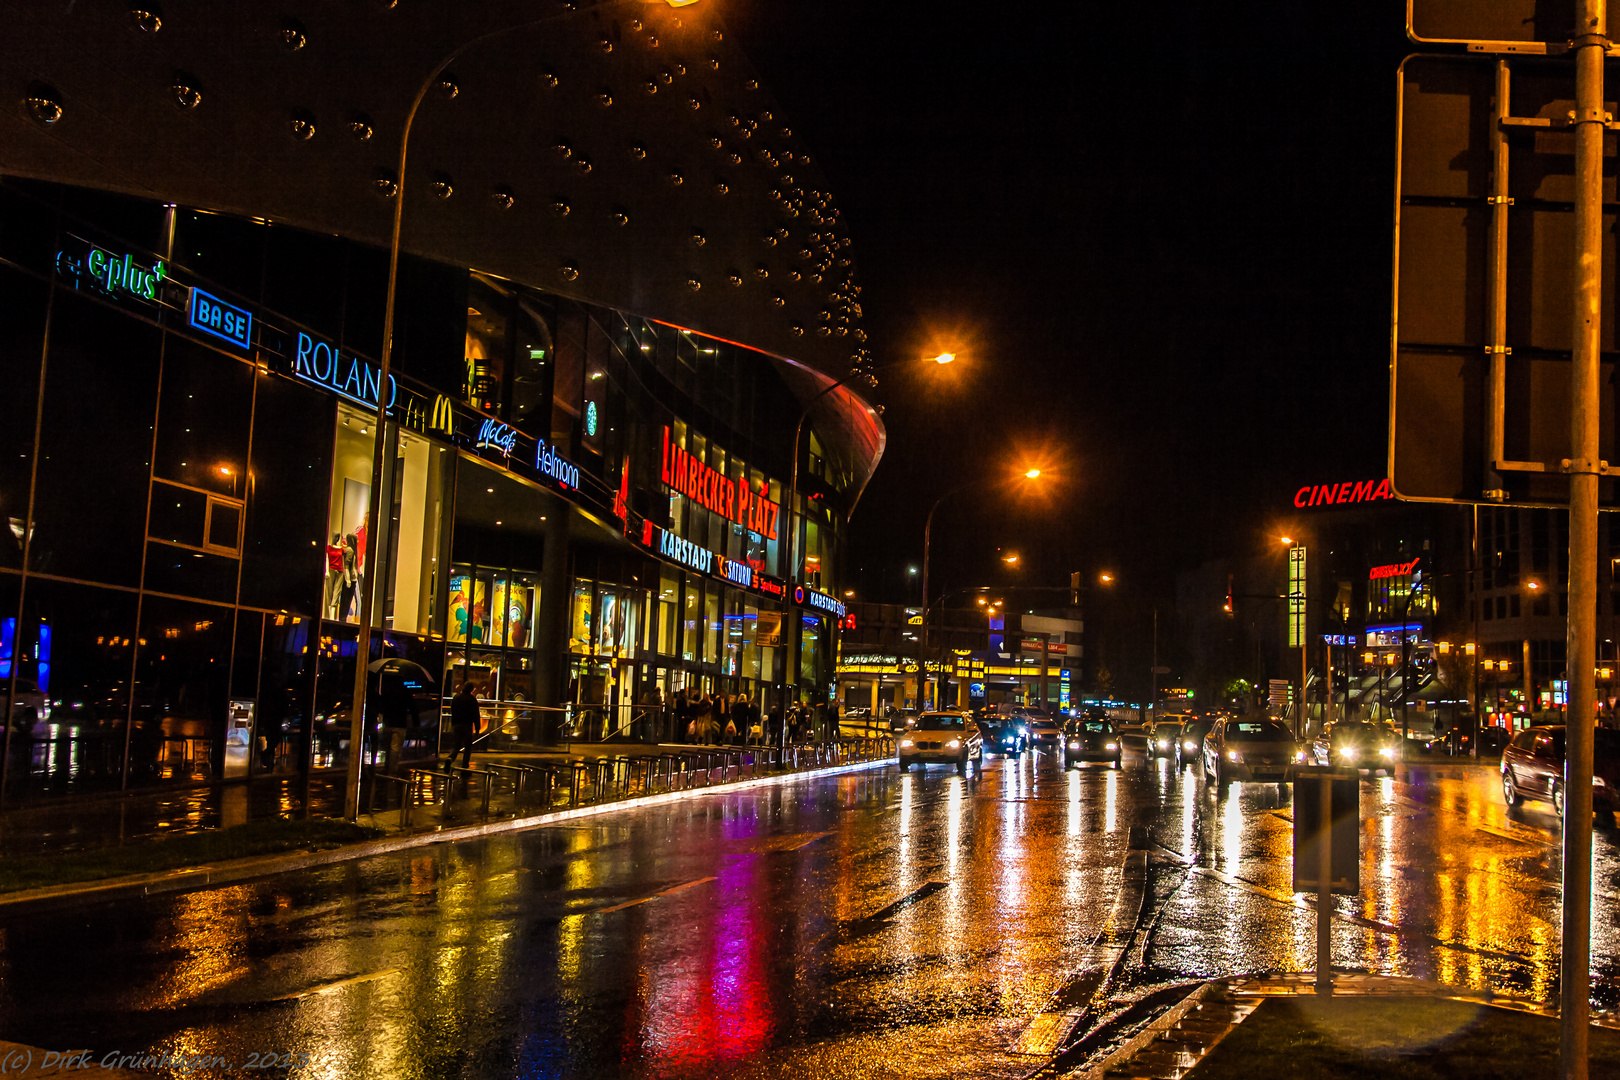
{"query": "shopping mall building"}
{"type": "Point", "coordinates": [622, 282]}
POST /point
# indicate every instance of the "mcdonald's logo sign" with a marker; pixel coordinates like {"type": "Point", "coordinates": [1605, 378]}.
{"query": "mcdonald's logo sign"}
{"type": "Point", "coordinates": [444, 416]}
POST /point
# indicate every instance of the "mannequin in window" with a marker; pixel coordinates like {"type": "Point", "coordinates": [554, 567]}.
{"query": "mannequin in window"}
{"type": "Point", "coordinates": [360, 568]}
{"type": "Point", "coordinates": [334, 576]}
{"type": "Point", "coordinates": [350, 578]}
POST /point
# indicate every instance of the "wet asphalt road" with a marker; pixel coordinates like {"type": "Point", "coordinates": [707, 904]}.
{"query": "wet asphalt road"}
{"type": "Point", "coordinates": [860, 925]}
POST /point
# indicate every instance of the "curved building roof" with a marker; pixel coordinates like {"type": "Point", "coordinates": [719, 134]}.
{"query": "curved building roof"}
{"type": "Point", "coordinates": [622, 153]}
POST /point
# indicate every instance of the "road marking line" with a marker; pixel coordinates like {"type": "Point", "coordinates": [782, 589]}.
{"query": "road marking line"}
{"type": "Point", "coordinates": [327, 988]}
{"type": "Point", "coordinates": [644, 899]}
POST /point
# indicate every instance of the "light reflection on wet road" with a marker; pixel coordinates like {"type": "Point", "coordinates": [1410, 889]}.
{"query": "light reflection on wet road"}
{"type": "Point", "coordinates": [866, 924]}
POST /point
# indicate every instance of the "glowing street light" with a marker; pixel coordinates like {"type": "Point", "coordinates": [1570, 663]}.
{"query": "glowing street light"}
{"type": "Point", "coordinates": [1032, 474]}
{"type": "Point", "coordinates": [944, 358]}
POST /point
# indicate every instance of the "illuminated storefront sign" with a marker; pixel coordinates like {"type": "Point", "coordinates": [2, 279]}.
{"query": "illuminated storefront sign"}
{"type": "Point", "coordinates": [1384, 636]}
{"type": "Point", "coordinates": [820, 600]}
{"type": "Point", "coordinates": [494, 435]}
{"type": "Point", "coordinates": [1340, 639]}
{"type": "Point", "coordinates": [1392, 570]}
{"type": "Point", "coordinates": [211, 315]}
{"type": "Point", "coordinates": [735, 500]}
{"type": "Point", "coordinates": [1351, 491]}
{"type": "Point", "coordinates": [112, 274]}
{"type": "Point", "coordinates": [547, 462]}
{"type": "Point", "coordinates": [738, 573]}
{"type": "Point", "coordinates": [324, 365]}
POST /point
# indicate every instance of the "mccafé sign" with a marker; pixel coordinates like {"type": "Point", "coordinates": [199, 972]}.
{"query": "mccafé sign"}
{"type": "Point", "coordinates": [1351, 491]}
{"type": "Point", "coordinates": [1400, 569]}
{"type": "Point", "coordinates": [732, 499]}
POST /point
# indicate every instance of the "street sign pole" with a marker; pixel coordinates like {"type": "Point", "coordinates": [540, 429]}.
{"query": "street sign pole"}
{"type": "Point", "coordinates": [1590, 45]}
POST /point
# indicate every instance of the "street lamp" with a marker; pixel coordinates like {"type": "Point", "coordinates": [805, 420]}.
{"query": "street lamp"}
{"type": "Point", "coordinates": [790, 640]}
{"type": "Point", "coordinates": [928, 532]}
{"type": "Point", "coordinates": [379, 541]}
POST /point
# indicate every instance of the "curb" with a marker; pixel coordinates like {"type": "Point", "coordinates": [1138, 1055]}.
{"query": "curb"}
{"type": "Point", "coordinates": [138, 886]}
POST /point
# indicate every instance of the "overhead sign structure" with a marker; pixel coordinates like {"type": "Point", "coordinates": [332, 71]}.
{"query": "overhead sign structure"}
{"type": "Point", "coordinates": [1493, 26]}
{"type": "Point", "coordinates": [1484, 241]}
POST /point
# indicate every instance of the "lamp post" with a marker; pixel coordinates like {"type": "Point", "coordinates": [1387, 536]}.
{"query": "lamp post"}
{"type": "Point", "coordinates": [791, 637]}
{"type": "Point", "coordinates": [928, 533]}
{"type": "Point", "coordinates": [378, 539]}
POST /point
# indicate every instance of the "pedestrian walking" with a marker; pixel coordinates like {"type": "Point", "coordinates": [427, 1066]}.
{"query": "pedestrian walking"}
{"type": "Point", "coordinates": [740, 724]}
{"type": "Point", "coordinates": [399, 710]}
{"type": "Point", "coordinates": [463, 722]}
{"type": "Point", "coordinates": [702, 716]}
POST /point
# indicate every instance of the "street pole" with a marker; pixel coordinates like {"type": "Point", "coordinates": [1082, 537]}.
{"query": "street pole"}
{"type": "Point", "coordinates": [378, 527]}
{"type": "Point", "coordinates": [1153, 676]}
{"type": "Point", "coordinates": [1590, 45]}
{"type": "Point", "coordinates": [1324, 887]}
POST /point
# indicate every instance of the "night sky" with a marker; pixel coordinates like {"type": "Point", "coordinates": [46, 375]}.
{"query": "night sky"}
{"type": "Point", "coordinates": [1165, 251]}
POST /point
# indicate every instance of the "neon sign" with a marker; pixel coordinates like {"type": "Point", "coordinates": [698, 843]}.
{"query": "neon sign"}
{"type": "Point", "coordinates": [590, 418]}
{"type": "Point", "coordinates": [1392, 570]}
{"type": "Point", "coordinates": [494, 435]}
{"type": "Point", "coordinates": [211, 315]}
{"type": "Point", "coordinates": [111, 274]}
{"type": "Point", "coordinates": [1351, 491]}
{"type": "Point", "coordinates": [820, 600]}
{"type": "Point", "coordinates": [322, 364]}
{"type": "Point", "coordinates": [685, 552]}
{"type": "Point", "coordinates": [709, 488]}
{"type": "Point", "coordinates": [738, 573]}
{"type": "Point", "coordinates": [547, 462]}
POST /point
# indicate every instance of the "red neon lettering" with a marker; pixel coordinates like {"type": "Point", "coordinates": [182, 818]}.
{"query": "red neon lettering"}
{"type": "Point", "coordinates": [1344, 491]}
{"type": "Point", "coordinates": [1298, 495]}
{"type": "Point", "coordinates": [1383, 491]}
{"type": "Point", "coordinates": [1362, 491]}
{"type": "Point", "coordinates": [664, 474]}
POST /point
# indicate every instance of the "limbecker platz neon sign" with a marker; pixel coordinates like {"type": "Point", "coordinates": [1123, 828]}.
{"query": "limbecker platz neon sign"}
{"type": "Point", "coordinates": [1351, 491]}
{"type": "Point", "coordinates": [735, 499]}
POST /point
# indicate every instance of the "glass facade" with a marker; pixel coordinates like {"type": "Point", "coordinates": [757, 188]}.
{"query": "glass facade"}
{"type": "Point", "coordinates": [579, 510]}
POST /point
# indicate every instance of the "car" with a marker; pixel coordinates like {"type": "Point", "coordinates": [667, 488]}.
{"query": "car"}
{"type": "Point", "coordinates": [1045, 730]}
{"type": "Point", "coordinates": [1005, 735]}
{"type": "Point", "coordinates": [1255, 749]}
{"type": "Point", "coordinates": [1190, 745]}
{"type": "Point", "coordinates": [1358, 744]}
{"type": "Point", "coordinates": [30, 706]}
{"type": "Point", "coordinates": [902, 720]}
{"type": "Point", "coordinates": [1164, 737]}
{"type": "Point", "coordinates": [1533, 768]}
{"type": "Point", "coordinates": [945, 738]}
{"type": "Point", "coordinates": [1091, 740]}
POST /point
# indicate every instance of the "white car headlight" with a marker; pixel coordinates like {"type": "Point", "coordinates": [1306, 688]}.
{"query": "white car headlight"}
{"type": "Point", "coordinates": [1348, 753]}
{"type": "Point", "coordinates": [1073, 745]}
{"type": "Point", "coordinates": [1164, 744]}
{"type": "Point", "coordinates": [1388, 751]}
{"type": "Point", "coordinates": [953, 744]}
{"type": "Point", "coordinates": [1189, 745]}
{"type": "Point", "coordinates": [1234, 755]}
{"type": "Point", "coordinates": [906, 742]}
{"type": "Point", "coordinates": [1113, 746]}
{"type": "Point", "coordinates": [1299, 755]}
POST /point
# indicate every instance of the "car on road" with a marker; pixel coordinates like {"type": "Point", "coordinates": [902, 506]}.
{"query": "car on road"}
{"type": "Point", "coordinates": [1091, 740]}
{"type": "Point", "coordinates": [30, 706]}
{"type": "Point", "coordinates": [1165, 736]}
{"type": "Point", "coordinates": [902, 719]}
{"type": "Point", "coordinates": [1249, 749]}
{"type": "Point", "coordinates": [1004, 734]}
{"type": "Point", "coordinates": [1358, 744]}
{"type": "Point", "coordinates": [1533, 768]}
{"type": "Point", "coordinates": [1190, 745]}
{"type": "Point", "coordinates": [1044, 730]}
{"type": "Point", "coordinates": [942, 738]}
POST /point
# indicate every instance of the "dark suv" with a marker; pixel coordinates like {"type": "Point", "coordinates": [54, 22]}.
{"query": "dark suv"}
{"type": "Point", "coordinates": [1005, 735]}
{"type": "Point", "coordinates": [1533, 768]}
{"type": "Point", "coordinates": [1091, 740]}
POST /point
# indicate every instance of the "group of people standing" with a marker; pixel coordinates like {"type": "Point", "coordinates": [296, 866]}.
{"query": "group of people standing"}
{"type": "Point", "coordinates": [721, 719]}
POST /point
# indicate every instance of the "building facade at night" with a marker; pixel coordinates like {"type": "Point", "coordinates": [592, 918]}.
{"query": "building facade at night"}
{"type": "Point", "coordinates": [622, 283]}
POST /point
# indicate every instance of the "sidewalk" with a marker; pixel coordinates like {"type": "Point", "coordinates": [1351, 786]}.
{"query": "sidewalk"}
{"type": "Point", "coordinates": [1176, 1042]}
{"type": "Point", "coordinates": [600, 778]}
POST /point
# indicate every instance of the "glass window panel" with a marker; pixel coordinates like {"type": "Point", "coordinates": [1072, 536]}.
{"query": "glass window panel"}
{"type": "Point", "coordinates": [203, 418]}
{"type": "Point", "coordinates": [580, 620]}
{"type": "Point", "coordinates": [178, 514]}
{"type": "Point", "coordinates": [191, 573]}
{"type": "Point", "coordinates": [692, 618]}
{"type": "Point", "coordinates": [669, 594]}
{"type": "Point", "coordinates": [224, 525]}
{"type": "Point", "coordinates": [348, 513]}
{"type": "Point", "coordinates": [285, 542]}
{"type": "Point", "coordinates": [22, 339]}
{"type": "Point", "coordinates": [716, 627]}
{"type": "Point", "coordinates": [99, 397]}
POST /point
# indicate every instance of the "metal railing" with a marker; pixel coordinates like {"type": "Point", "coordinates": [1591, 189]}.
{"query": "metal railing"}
{"type": "Point", "coordinates": [538, 786]}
